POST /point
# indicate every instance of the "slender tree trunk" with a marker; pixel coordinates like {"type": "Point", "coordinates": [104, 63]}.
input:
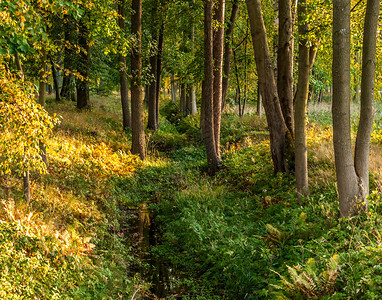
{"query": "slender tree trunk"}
{"type": "Point", "coordinates": [124, 88]}
{"type": "Point", "coordinates": [207, 90]}
{"type": "Point", "coordinates": [365, 127]}
{"type": "Point", "coordinates": [183, 98]}
{"type": "Point", "coordinates": [347, 180]}
{"type": "Point", "coordinates": [159, 72]}
{"type": "Point", "coordinates": [152, 97]}
{"type": "Point", "coordinates": [138, 134]}
{"type": "Point", "coordinates": [258, 104]}
{"type": "Point", "coordinates": [301, 148]}
{"type": "Point", "coordinates": [173, 89]}
{"type": "Point", "coordinates": [83, 100]}
{"type": "Point", "coordinates": [218, 46]}
{"type": "Point", "coordinates": [228, 51]}
{"type": "Point", "coordinates": [19, 66]}
{"type": "Point", "coordinates": [26, 179]}
{"type": "Point", "coordinates": [55, 80]}
{"type": "Point", "coordinates": [67, 89]}
{"type": "Point", "coordinates": [285, 63]}
{"type": "Point", "coordinates": [194, 109]}
{"type": "Point", "coordinates": [280, 138]}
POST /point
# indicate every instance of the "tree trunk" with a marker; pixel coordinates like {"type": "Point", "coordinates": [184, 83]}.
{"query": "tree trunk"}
{"type": "Point", "coordinates": [173, 88]}
{"type": "Point", "coordinates": [218, 46]}
{"type": "Point", "coordinates": [124, 88]}
{"type": "Point", "coordinates": [285, 63]}
{"type": "Point", "coordinates": [183, 98]}
{"type": "Point", "coordinates": [207, 90]}
{"type": "Point", "coordinates": [365, 127]}
{"type": "Point", "coordinates": [67, 89]}
{"type": "Point", "coordinates": [301, 151]}
{"type": "Point", "coordinates": [347, 180]}
{"type": "Point", "coordinates": [228, 51]}
{"type": "Point", "coordinates": [280, 138]}
{"type": "Point", "coordinates": [138, 134]}
{"type": "Point", "coordinates": [159, 72]}
{"type": "Point", "coordinates": [152, 97]}
{"type": "Point", "coordinates": [194, 109]}
{"type": "Point", "coordinates": [83, 65]}
{"type": "Point", "coordinates": [55, 80]}
{"type": "Point", "coordinates": [258, 104]}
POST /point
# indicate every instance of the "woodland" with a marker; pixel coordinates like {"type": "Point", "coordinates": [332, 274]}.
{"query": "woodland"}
{"type": "Point", "coordinates": [190, 149]}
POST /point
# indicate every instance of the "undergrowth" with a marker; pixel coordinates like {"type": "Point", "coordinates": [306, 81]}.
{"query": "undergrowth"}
{"type": "Point", "coordinates": [104, 225]}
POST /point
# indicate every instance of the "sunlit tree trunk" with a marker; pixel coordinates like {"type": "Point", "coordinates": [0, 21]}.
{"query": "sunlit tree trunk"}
{"type": "Point", "coordinates": [138, 134]}
{"type": "Point", "coordinates": [347, 180]}
{"type": "Point", "coordinates": [365, 127]}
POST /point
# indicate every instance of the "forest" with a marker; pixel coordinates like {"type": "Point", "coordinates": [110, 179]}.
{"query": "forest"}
{"type": "Point", "coordinates": [190, 149]}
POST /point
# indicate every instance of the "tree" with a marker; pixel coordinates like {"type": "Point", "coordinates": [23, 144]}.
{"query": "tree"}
{"type": "Point", "coordinates": [285, 63]}
{"type": "Point", "coordinates": [83, 62]}
{"type": "Point", "coordinates": [138, 134]}
{"type": "Point", "coordinates": [124, 89]}
{"type": "Point", "coordinates": [212, 83]}
{"type": "Point", "coordinates": [228, 51]}
{"type": "Point", "coordinates": [301, 153]}
{"type": "Point", "coordinates": [280, 138]}
{"type": "Point", "coordinates": [352, 175]}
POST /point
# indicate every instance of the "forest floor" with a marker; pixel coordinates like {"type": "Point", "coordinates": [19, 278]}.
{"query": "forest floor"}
{"type": "Point", "coordinates": [104, 225]}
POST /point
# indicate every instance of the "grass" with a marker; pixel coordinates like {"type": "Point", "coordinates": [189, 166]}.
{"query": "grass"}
{"type": "Point", "coordinates": [239, 235]}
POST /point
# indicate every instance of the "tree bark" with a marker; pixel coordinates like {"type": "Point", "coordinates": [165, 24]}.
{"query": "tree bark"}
{"type": "Point", "coordinates": [347, 180]}
{"type": "Point", "coordinates": [207, 90]}
{"type": "Point", "coordinates": [285, 63]}
{"type": "Point", "coordinates": [218, 46]}
{"type": "Point", "coordinates": [173, 88]}
{"type": "Point", "coordinates": [138, 134]}
{"type": "Point", "coordinates": [159, 72]}
{"type": "Point", "coordinates": [280, 138]}
{"type": "Point", "coordinates": [55, 80]}
{"type": "Point", "coordinates": [228, 51]}
{"type": "Point", "coordinates": [83, 65]}
{"type": "Point", "coordinates": [301, 151]}
{"type": "Point", "coordinates": [124, 88]}
{"type": "Point", "coordinates": [67, 89]}
{"type": "Point", "coordinates": [152, 97]}
{"type": "Point", "coordinates": [365, 127]}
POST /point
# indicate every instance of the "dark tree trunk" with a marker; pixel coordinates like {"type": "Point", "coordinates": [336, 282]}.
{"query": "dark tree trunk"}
{"type": "Point", "coordinates": [124, 88]}
{"type": "Point", "coordinates": [173, 88]}
{"type": "Point", "coordinates": [68, 86]}
{"type": "Point", "coordinates": [159, 72]}
{"type": "Point", "coordinates": [228, 51]}
{"type": "Point", "coordinates": [83, 62]}
{"type": "Point", "coordinates": [138, 134]}
{"type": "Point", "coordinates": [207, 90]}
{"type": "Point", "coordinates": [55, 80]}
{"type": "Point", "coordinates": [183, 98]}
{"type": "Point", "coordinates": [152, 97]}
